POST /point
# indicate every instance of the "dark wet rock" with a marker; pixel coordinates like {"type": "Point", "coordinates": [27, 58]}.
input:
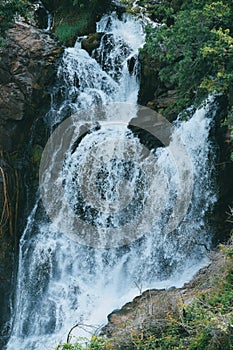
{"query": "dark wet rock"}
{"type": "Point", "coordinates": [27, 71]}
{"type": "Point", "coordinates": [105, 58]}
{"type": "Point", "coordinates": [91, 42]}
{"type": "Point", "coordinates": [152, 129]}
{"type": "Point", "coordinates": [131, 63]}
{"type": "Point", "coordinates": [9, 195]}
{"type": "Point", "coordinates": [224, 170]}
{"type": "Point", "coordinates": [118, 6]}
{"type": "Point", "coordinates": [37, 15]}
{"type": "Point", "coordinates": [150, 84]}
{"type": "Point", "coordinates": [41, 15]}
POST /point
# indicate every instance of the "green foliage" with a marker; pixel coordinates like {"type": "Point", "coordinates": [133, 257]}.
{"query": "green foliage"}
{"type": "Point", "coordinates": [194, 48]}
{"type": "Point", "coordinates": [96, 343]}
{"type": "Point", "coordinates": [66, 30]}
{"type": "Point", "coordinates": [204, 324]}
{"type": "Point", "coordinates": [195, 51]}
{"type": "Point", "coordinates": [75, 17]}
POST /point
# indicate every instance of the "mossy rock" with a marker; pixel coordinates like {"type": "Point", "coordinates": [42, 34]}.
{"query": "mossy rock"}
{"type": "Point", "coordinates": [36, 155]}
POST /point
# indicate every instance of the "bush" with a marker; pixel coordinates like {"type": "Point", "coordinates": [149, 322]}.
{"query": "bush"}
{"type": "Point", "coordinates": [96, 343]}
{"type": "Point", "coordinates": [8, 9]}
{"type": "Point", "coordinates": [193, 49]}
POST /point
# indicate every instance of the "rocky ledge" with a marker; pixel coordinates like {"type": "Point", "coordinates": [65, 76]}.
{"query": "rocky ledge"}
{"type": "Point", "coordinates": [150, 310]}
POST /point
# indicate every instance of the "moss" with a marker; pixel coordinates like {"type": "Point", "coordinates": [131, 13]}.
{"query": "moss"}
{"type": "Point", "coordinates": [35, 159]}
{"type": "Point", "coordinates": [72, 22]}
{"type": "Point", "coordinates": [67, 31]}
{"type": "Point", "coordinates": [74, 18]}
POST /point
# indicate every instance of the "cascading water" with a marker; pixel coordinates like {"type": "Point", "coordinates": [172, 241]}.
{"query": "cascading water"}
{"type": "Point", "coordinates": [62, 282]}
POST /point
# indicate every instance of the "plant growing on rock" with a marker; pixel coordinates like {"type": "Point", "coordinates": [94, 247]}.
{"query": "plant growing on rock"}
{"type": "Point", "coordinates": [191, 53]}
{"type": "Point", "coordinates": [8, 10]}
{"type": "Point", "coordinates": [203, 323]}
{"type": "Point", "coordinates": [75, 17]}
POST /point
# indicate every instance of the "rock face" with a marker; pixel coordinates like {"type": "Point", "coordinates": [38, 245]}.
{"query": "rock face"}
{"type": "Point", "coordinates": [27, 70]}
{"type": "Point", "coordinates": [153, 92]}
{"type": "Point", "coordinates": [8, 240]}
{"type": "Point", "coordinates": [149, 310]}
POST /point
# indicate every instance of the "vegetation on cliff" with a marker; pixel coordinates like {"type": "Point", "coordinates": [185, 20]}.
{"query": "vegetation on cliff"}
{"type": "Point", "coordinates": [71, 17]}
{"type": "Point", "coordinates": [190, 53]}
{"type": "Point", "coordinates": [8, 9]}
{"type": "Point", "coordinates": [75, 17]}
{"type": "Point", "coordinates": [204, 323]}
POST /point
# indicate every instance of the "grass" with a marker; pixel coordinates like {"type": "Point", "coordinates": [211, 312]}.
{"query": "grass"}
{"type": "Point", "coordinates": [66, 30]}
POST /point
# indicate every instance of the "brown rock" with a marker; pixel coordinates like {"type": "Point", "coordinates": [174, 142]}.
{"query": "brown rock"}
{"type": "Point", "coordinates": [25, 66]}
{"type": "Point", "coordinates": [27, 70]}
{"type": "Point", "coordinates": [150, 309]}
{"type": "Point", "coordinates": [91, 42]}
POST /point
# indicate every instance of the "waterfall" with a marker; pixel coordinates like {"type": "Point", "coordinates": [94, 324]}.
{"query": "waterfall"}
{"type": "Point", "coordinates": [69, 275]}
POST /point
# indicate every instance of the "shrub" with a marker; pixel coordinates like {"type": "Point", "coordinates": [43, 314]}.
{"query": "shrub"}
{"type": "Point", "coordinates": [8, 9]}
{"type": "Point", "coordinates": [193, 49]}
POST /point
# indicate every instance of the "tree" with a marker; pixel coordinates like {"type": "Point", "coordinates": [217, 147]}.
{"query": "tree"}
{"type": "Point", "coordinates": [196, 50]}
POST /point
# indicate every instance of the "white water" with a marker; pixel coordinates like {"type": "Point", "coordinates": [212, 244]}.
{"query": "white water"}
{"type": "Point", "coordinates": [61, 282]}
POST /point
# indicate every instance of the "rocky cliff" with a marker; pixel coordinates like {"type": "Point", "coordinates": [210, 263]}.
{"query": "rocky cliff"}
{"type": "Point", "coordinates": [27, 70]}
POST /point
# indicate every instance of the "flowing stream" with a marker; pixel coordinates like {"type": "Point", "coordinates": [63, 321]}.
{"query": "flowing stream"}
{"type": "Point", "coordinates": [61, 280]}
